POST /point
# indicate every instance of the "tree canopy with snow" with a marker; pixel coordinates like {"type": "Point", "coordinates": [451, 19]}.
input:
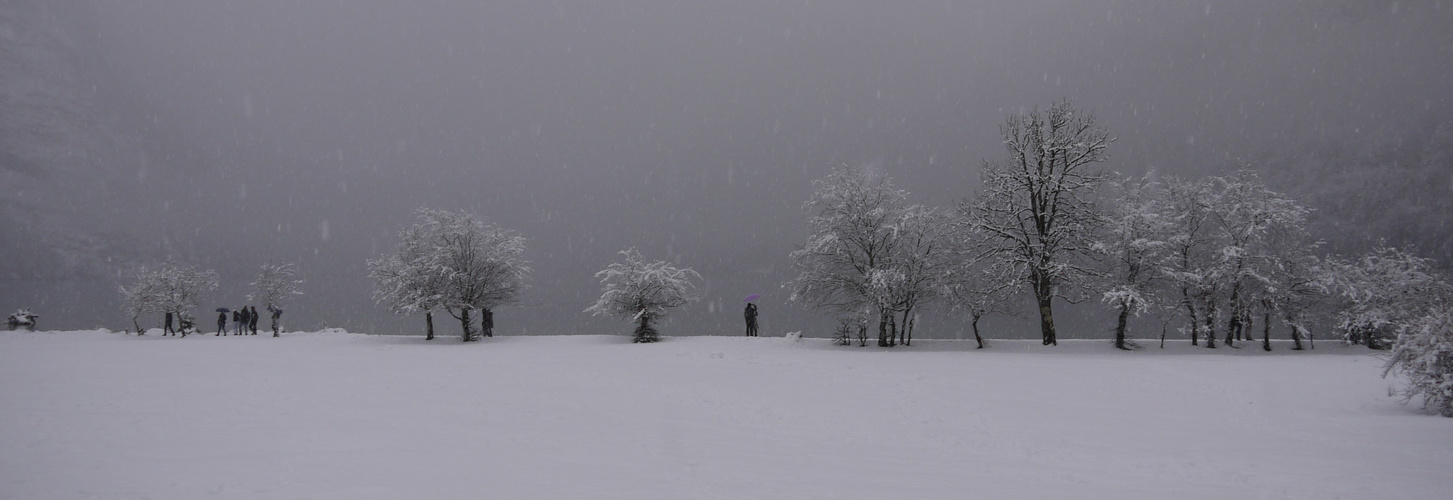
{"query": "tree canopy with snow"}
{"type": "Point", "coordinates": [172, 289]}
{"type": "Point", "coordinates": [454, 261]}
{"type": "Point", "coordinates": [1132, 244]}
{"type": "Point", "coordinates": [870, 253]}
{"type": "Point", "coordinates": [1037, 206]}
{"type": "Point", "coordinates": [275, 285]}
{"type": "Point", "coordinates": [642, 291]}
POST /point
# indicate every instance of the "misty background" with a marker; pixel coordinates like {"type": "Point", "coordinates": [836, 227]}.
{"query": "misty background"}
{"type": "Point", "coordinates": [230, 134]}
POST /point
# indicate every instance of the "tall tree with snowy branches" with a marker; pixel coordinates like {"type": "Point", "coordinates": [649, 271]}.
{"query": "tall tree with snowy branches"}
{"type": "Point", "coordinates": [406, 282]}
{"type": "Point", "coordinates": [1188, 264]}
{"type": "Point", "coordinates": [1246, 215]}
{"type": "Point", "coordinates": [1037, 206]}
{"type": "Point", "coordinates": [1132, 244]}
{"type": "Point", "coordinates": [454, 261]}
{"type": "Point", "coordinates": [642, 291]}
{"type": "Point", "coordinates": [275, 285]}
{"type": "Point", "coordinates": [976, 284]}
{"type": "Point", "coordinates": [869, 251]}
{"type": "Point", "coordinates": [483, 264]}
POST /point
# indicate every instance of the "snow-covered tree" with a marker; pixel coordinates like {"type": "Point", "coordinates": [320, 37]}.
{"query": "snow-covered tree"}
{"type": "Point", "coordinates": [1132, 243]}
{"type": "Point", "coordinates": [870, 252]}
{"type": "Point", "coordinates": [1037, 206]}
{"type": "Point", "coordinates": [1188, 265]}
{"type": "Point", "coordinates": [1289, 280]}
{"type": "Point", "coordinates": [454, 261]}
{"type": "Point", "coordinates": [1383, 292]}
{"type": "Point", "coordinates": [22, 318]}
{"type": "Point", "coordinates": [405, 282]}
{"type": "Point", "coordinates": [273, 286]}
{"type": "Point", "coordinates": [920, 260]}
{"type": "Point", "coordinates": [1247, 214]}
{"type": "Point", "coordinates": [976, 284]}
{"type": "Point", "coordinates": [1423, 352]}
{"type": "Point", "coordinates": [483, 264]}
{"type": "Point", "coordinates": [141, 297]}
{"type": "Point", "coordinates": [642, 291]}
{"type": "Point", "coordinates": [173, 290]}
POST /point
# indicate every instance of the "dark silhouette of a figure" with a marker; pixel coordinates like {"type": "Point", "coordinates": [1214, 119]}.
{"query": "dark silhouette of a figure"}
{"type": "Point", "coordinates": [751, 315]}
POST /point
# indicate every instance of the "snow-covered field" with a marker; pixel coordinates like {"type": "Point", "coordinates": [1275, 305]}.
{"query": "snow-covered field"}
{"type": "Point", "coordinates": [347, 416]}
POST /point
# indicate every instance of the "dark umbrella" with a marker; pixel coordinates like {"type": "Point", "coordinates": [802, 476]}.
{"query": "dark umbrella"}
{"type": "Point", "coordinates": [223, 310]}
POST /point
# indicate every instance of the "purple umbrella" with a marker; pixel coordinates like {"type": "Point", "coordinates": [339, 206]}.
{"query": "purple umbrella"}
{"type": "Point", "coordinates": [754, 296]}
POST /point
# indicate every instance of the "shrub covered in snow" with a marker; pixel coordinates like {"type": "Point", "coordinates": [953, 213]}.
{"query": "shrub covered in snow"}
{"type": "Point", "coordinates": [22, 319]}
{"type": "Point", "coordinates": [1423, 352]}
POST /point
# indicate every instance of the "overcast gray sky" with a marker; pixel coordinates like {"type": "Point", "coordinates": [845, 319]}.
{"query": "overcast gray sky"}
{"type": "Point", "coordinates": [309, 131]}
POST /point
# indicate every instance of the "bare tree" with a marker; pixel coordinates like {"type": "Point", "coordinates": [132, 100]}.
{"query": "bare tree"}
{"type": "Point", "coordinates": [642, 291]}
{"type": "Point", "coordinates": [273, 286]}
{"type": "Point", "coordinates": [1036, 207]}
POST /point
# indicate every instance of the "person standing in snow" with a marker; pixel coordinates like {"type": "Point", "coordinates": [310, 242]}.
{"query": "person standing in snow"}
{"type": "Point", "coordinates": [168, 328]}
{"type": "Point", "coordinates": [486, 323]}
{"type": "Point", "coordinates": [751, 314]}
{"type": "Point", "coordinates": [221, 323]}
{"type": "Point", "coordinates": [237, 322]}
{"type": "Point", "coordinates": [252, 319]}
{"type": "Point", "coordinates": [275, 314]}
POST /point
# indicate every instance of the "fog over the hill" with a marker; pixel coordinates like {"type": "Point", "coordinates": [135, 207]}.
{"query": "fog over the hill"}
{"type": "Point", "coordinates": [229, 134]}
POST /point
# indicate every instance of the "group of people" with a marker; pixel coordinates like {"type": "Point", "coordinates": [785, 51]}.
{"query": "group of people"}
{"type": "Point", "coordinates": [244, 319]}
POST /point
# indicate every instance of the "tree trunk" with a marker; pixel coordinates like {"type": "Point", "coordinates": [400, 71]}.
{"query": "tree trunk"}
{"type": "Point", "coordinates": [1211, 324]}
{"type": "Point", "coordinates": [274, 323]}
{"type": "Point", "coordinates": [464, 320]}
{"type": "Point", "coordinates": [428, 325]}
{"type": "Point", "coordinates": [1120, 328]}
{"type": "Point", "coordinates": [1191, 310]}
{"type": "Point", "coordinates": [883, 330]}
{"type": "Point", "coordinates": [892, 330]}
{"type": "Point", "coordinates": [1044, 294]}
{"type": "Point", "coordinates": [907, 327]}
{"type": "Point", "coordinates": [977, 338]}
{"type": "Point", "coordinates": [1266, 331]}
{"type": "Point", "coordinates": [137, 325]}
{"type": "Point", "coordinates": [644, 332]}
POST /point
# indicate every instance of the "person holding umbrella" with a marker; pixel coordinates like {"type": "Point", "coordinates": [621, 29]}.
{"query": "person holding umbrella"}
{"type": "Point", "coordinates": [751, 315]}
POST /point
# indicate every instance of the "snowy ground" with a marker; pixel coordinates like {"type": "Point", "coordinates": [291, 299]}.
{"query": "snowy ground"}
{"type": "Point", "coordinates": [336, 415]}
